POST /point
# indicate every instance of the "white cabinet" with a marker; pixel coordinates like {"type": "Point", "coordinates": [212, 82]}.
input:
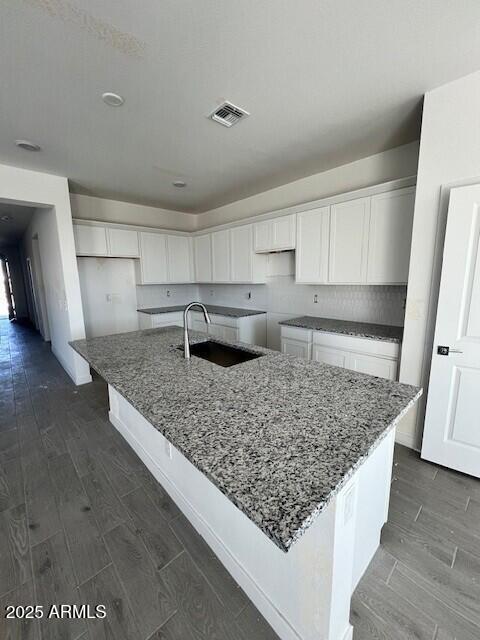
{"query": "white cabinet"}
{"type": "Point", "coordinates": [122, 243]}
{"type": "Point", "coordinates": [221, 265]}
{"type": "Point", "coordinates": [337, 357]}
{"type": "Point", "coordinates": [241, 253]}
{"type": "Point", "coordinates": [233, 256]}
{"type": "Point", "coordinates": [152, 268]}
{"type": "Point", "coordinates": [179, 259]}
{"type": "Point", "coordinates": [375, 357]}
{"type": "Point", "coordinates": [361, 241]}
{"type": "Point", "coordinates": [90, 240]}
{"type": "Point", "coordinates": [296, 342]}
{"type": "Point", "coordinates": [349, 225]}
{"type": "Point", "coordinates": [203, 258]}
{"type": "Point", "coordinates": [154, 320]}
{"type": "Point", "coordinates": [311, 257]}
{"type": "Point", "coordinates": [391, 220]}
{"type": "Point", "coordinates": [164, 259]}
{"type": "Point", "coordinates": [373, 365]}
{"type": "Point", "coordinates": [276, 234]}
{"type": "Point", "coordinates": [248, 329]}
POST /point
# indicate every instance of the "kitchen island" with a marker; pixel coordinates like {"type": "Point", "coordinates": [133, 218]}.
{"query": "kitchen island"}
{"type": "Point", "coordinates": [281, 464]}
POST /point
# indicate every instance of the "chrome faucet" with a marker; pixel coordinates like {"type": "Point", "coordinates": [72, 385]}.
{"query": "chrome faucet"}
{"type": "Point", "coordinates": [186, 343]}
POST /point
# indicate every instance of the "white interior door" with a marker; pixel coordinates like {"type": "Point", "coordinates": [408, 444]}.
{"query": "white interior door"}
{"type": "Point", "coordinates": [452, 423]}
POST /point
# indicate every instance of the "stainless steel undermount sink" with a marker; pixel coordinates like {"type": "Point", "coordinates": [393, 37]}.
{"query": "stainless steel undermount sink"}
{"type": "Point", "coordinates": [221, 354]}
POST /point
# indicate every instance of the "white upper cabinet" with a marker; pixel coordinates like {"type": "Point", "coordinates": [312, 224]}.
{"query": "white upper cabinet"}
{"type": "Point", "coordinates": [284, 232]}
{"type": "Point", "coordinates": [221, 267]}
{"type": "Point", "coordinates": [203, 258]}
{"type": "Point", "coordinates": [153, 259]}
{"type": "Point", "coordinates": [241, 253]}
{"type": "Point", "coordinates": [349, 225]}
{"type": "Point", "coordinates": [390, 234]}
{"type": "Point", "coordinates": [122, 243]}
{"type": "Point", "coordinates": [312, 245]}
{"type": "Point", "coordinates": [263, 235]}
{"type": "Point", "coordinates": [90, 240]}
{"type": "Point", "coordinates": [179, 259]}
{"type": "Point", "coordinates": [277, 234]}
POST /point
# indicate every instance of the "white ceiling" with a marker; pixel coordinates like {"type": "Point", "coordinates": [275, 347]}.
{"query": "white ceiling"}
{"type": "Point", "coordinates": [326, 81]}
{"type": "Point", "coordinates": [12, 230]}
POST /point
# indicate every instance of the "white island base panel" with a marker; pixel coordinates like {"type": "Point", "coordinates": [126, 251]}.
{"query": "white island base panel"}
{"type": "Point", "coordinates": [304, 594]}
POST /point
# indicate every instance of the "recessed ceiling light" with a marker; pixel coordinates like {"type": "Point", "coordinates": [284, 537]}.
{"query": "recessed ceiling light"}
{"type": "Point", "coordinates": [112, 99]}
{"type": "Point", "coordinates": [179, 183]}
{"type": "Point", "coordinates": [6, 218]}
{"type": "Point", "coordinates": [27, 145]}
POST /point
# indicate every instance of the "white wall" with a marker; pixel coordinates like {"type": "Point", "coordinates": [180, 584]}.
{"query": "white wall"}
{"type": "Point", "coordinates": [156, 295]}
{"type": "Point", "coordinates": [54, 226]}
{"type": "Point", "coordinates": [400, 162]}
{"type": "Point", "coordinates": [108, 295]}
{"type": "Point", "coordinates": [449, 156]}
{"type": "Point", "coordinates": [90, 208]}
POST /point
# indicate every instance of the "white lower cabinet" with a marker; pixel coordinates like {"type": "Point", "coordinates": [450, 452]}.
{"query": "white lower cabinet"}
{"type": "Point", "coordinates": [297, 342]}
{"type": "Point", "coordinates": [330, 356]}
{"type": "Point", "coordinates": [375, 357]}
{"type": "Point", "coordinates": [248, 329]}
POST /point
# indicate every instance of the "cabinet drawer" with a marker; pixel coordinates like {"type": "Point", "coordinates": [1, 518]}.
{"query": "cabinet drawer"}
{"type": "Point", "coordinates": [381, 348]}
{"type": "Point", "coordinates": [296, 333]}
{"type": "Point", "coordinates": [374, 366]}
{"type": "Point", "coordinates": [167, 319]}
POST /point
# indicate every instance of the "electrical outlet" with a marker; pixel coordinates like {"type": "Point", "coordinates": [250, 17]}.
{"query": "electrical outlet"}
{"type": "Point", "coordinates": [211, 292]}
{"type": "Point", "coordinates": [168, 293]}
{"type": "Point", "coordinates": [249, 295]}
{"type": "Point", "coordinates": [168, 449]}
{"type": "Point", "coordinates": [315, 298]}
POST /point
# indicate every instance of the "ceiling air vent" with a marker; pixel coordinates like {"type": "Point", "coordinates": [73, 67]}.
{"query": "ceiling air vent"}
{"type": "Point", "coordinates": [228, 114]}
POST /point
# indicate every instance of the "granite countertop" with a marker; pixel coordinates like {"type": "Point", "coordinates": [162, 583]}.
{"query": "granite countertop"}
{"type": "Point", "coordinates": [278, 435]}
{"type": "Point", "coordinates": [346, 327]}
{"type": "Point", "coordinates": [232, 312]}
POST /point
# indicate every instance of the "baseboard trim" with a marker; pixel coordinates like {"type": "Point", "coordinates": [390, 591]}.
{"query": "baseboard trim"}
{"type": "Point", "coordinates": [78, 380]}
{"type": "Point", "coordinates": [407, 440]}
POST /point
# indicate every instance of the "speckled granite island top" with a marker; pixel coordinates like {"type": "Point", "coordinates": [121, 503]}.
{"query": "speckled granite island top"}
{"type": "Point", "coordinates": [277, 435]}
{"type": "Point", "coordinates": [232, 312]}
{"type": "Point", "coordinates": [346, 327]}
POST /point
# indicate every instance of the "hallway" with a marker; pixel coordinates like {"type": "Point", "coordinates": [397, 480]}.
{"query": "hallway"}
{"type": "Point", "coordinates": [83, 521]}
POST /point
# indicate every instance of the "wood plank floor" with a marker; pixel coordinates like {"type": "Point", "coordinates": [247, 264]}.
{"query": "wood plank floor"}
{"type": "Point", "coordinates": [82, 521]}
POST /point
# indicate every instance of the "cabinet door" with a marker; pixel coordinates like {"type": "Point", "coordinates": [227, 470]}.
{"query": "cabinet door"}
{"type": "Point", "coordinates": [284, 232]}
{"type": "Point", "coordinates": [349, 241]}
{"type": "Point", "coordinates": [90, 240]}
{"type": "Point", "coordinates": [380, 367]}
{"type": "Point", "coordinates": [312, 245]}
{"type": "Point", "coordinates": [390, 236]}
{"type": "Point", "coordinates": [203, 258]}
{"type": "Point", "coordinates": [153, 258]}
{"type": "Point", "coordinates": [179, 251]}
{"type": "Point", "coordinates": [262, 236]}
{"type": "Point", "coordinates": [296, 348]}
{"type": "Point", "coordinates": [221, 256]}
{"type": "Point", "coordinates": [122, 243]}
{"type": "Point", "coordinates": [242, 253]}
{"type": "Point", "coordinates": [330, 356]}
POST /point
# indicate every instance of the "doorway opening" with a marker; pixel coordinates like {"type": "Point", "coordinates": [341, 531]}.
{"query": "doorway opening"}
{"type": "Point", "coordinates": [7, 299]}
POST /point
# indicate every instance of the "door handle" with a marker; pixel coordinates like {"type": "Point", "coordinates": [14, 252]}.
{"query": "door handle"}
{"type": "Point", "coordinates": [445, 351]}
